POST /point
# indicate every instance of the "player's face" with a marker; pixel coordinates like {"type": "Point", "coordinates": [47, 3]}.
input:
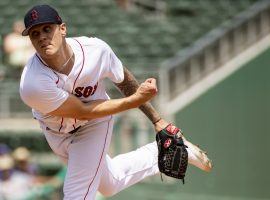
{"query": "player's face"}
{"type": "Point", "coordinates": [47, 38]}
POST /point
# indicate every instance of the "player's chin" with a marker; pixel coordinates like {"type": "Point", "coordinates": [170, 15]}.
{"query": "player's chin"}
{"type": "Point", "coordinates": [47, 53]}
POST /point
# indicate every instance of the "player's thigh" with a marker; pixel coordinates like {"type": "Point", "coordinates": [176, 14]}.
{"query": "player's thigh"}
{"type": "Point", "coordinates": [86, 155]}
{"type": "Point", "coordinates": [110, 177]}
{"type": "Point", "coordinates": [59, 144]}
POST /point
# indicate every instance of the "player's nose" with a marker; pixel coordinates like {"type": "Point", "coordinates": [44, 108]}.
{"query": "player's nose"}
{"type": "Point", "coordinates": [42, 36]}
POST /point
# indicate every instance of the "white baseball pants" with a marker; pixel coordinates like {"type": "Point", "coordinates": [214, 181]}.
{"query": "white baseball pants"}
{"type": "Point", "coordinates": [90, 169]}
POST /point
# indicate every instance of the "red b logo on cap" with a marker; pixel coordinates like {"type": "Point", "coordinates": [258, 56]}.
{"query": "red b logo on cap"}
{"type": "Point", "coordinates": [34, 15]}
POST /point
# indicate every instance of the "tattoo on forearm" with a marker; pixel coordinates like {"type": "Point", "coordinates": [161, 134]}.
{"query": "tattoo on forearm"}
{"type": "Point", "coordinates": [129, 87]}
{"type": "Point", "coordinates": [150, 112]}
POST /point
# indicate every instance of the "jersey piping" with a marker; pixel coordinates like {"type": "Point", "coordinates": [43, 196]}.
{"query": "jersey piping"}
{"type": "Point", "coordinates": [78, 76]}
{"type": "Point", "coordinates": [100, 159]}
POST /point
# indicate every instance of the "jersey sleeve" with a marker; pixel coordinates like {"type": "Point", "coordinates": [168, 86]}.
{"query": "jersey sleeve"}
{"type": "Point", "coordinates": [116, 72]}
{"type": "Point", "coordinates": [112, 66]}
{"type": "Point", "coordinates": [42, 94]}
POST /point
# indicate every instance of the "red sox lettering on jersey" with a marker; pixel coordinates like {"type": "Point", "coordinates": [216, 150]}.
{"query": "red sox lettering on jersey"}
{"type": "Point", "coordinates": [85, 91]}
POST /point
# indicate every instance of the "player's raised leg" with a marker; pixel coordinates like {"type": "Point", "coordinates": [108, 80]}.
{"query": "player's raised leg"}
{"type": "Point", "coordinates": [127, 169]}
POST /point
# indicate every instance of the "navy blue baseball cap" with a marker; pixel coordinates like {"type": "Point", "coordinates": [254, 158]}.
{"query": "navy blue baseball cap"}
{"type": "Point", "coordinates": [40, 14]}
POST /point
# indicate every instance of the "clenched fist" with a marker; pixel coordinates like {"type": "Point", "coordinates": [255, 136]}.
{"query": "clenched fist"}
{"type": "Point", "coordinates": [146, 91]}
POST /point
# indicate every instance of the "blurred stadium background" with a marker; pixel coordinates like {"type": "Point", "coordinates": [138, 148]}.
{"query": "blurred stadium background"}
{"type": "Point", "coordinates": [211, 58]}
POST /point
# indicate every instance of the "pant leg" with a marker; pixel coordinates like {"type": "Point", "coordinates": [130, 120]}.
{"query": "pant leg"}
{"type": "Point", "coordinates": [59, 144]}
{"type": "Point", "coordinates": [86, 158]}
{"type": "Point", "coordinates": [127, 169]}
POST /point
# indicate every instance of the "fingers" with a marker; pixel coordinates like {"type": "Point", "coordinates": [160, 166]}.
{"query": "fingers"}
{"type": "Point", "coordinates": [151, 80]}
{"type": "Point", "coordinates": [146, 91]}
{"type": "Point", "coordinates": [151, 85]}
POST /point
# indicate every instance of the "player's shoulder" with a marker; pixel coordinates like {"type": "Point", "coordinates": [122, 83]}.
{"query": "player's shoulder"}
{"type": "Point", "coordinates": [90, 42]}
{"type": "Point", "coordinates": [35, 66]}
{"type": "Point", "coordinates": [35, 72]}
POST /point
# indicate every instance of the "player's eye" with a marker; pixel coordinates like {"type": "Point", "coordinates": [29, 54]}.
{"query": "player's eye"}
{"type": "Point", "coordinates": [47, 29]}
{"type": "Point", "coordinates": [35, 34]}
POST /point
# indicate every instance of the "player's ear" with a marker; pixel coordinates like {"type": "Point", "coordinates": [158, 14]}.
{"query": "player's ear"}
{"type": "Point", "coordinates": [63, 29]}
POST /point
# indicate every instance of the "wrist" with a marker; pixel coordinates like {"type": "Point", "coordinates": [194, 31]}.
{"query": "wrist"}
{"type": "Point", "coordinates": [157, 120]}
{"type": "Point", "coordinates": [160, 124]}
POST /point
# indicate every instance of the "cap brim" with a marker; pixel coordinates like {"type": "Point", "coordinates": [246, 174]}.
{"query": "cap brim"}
{"type": "Point", "coordinates": [26, 31]}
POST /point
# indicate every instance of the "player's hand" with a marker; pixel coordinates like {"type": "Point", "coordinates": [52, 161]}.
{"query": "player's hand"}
{"type": "Point", "coordinates": [146, 91]}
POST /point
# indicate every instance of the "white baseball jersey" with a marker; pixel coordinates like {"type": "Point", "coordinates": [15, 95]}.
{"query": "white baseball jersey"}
{"type": "Point", "coordinates": [44, 89]}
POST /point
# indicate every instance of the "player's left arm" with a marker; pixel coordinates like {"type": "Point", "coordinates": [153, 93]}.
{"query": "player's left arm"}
{"type": "Point", "coordinates": [128, 87]}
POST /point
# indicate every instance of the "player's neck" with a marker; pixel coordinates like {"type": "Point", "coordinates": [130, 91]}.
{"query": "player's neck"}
{"type": "Point", "coordinates": [62, 61]}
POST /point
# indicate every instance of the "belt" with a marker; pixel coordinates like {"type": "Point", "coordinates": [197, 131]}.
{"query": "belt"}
{"type": "Point", "coordinates": [70, 132]}
{"type": "Point", "coordinates": [74, 130]}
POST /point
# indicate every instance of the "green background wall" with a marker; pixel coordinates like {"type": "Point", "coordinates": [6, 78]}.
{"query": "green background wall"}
{"type": "Point", "coordinates": [231, 121]}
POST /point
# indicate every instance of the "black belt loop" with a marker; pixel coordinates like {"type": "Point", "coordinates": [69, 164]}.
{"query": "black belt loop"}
{"type": "Point", "coordinates": [75, 130]}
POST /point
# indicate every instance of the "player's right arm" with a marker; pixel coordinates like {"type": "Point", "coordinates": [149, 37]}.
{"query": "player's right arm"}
{"type": "Point", "coordinates": [74, 108]}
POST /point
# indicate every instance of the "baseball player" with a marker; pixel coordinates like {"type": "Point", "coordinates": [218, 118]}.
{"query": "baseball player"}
{"type": "Point", "coordinates": [63, 84]}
